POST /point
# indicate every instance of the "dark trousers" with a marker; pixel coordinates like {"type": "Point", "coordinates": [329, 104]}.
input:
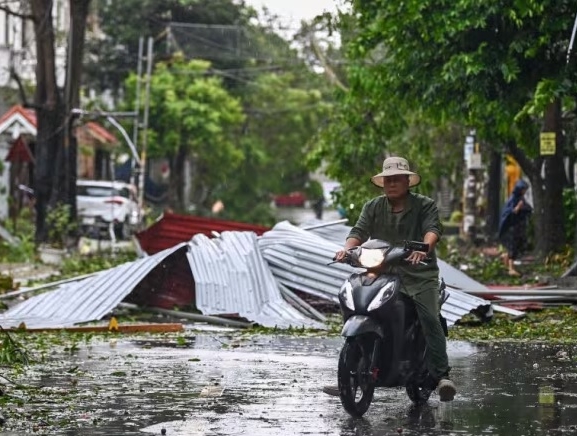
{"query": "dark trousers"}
{"type": "Point", "coordinates": [427, 305]}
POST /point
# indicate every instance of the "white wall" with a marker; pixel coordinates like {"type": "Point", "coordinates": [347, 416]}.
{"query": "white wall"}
{"type": "Point", "coordinates": [4, 176]}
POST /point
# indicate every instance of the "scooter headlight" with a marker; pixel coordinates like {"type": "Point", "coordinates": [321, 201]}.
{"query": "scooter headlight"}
{"type": "Point", "coordinates": [383, 296]}
{"type": "Point", "coordinates": [371, 258]}
{"type": "Point", "coordinates": [347, 295]}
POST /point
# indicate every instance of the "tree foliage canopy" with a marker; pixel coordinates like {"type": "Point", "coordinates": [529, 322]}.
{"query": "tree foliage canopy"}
{"type": "Point", "coordinates": [193, 116]}
{"type": "Point", "coordinates": [421, 69]}
{"type": "Point", "coordinates": [244, 118]}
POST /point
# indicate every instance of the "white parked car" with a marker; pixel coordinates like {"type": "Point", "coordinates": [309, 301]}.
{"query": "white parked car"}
{"type": "Point", "coordinates": [101, 202]}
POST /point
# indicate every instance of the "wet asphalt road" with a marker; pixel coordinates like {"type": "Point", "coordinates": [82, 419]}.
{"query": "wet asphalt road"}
{"type": "Point", "coordinates": [216, 384]}
{"type": "Point", "coordinates": [272, 388]}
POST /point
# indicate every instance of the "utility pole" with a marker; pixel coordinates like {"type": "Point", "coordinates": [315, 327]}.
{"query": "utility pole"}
{"type": "Point", "coordinates": [137, 104]}
{"type": "Point", "coordinates": [471, 191]}
{"type": "Point", "coordinates": [142, 175]}
{"type": "Point", "coordinates": [70, 173]}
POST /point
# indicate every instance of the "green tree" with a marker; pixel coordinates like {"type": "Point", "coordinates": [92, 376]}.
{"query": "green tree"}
{"type": "Point", "coordinates": [498, 67]}
{"type": "Point", "coordinates": [283, 100]}
{"type": "Point", "coordinates": [194, 120]}
{"type": "Point", "coordinates": [282, 115]}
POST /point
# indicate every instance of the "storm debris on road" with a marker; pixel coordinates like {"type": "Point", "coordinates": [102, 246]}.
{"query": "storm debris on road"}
{"type": "Point", "coordinates": [233, 275]}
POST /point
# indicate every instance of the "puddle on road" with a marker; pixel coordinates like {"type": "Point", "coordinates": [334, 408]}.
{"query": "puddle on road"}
{"type": "Point", "coordinates": [220, 384]}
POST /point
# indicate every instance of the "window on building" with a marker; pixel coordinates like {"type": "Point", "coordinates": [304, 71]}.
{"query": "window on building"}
{"type": "Point", "coordinates": [9, 30]}
{"type": "Point", "coordinates": [24, 33]}
{"type": "Point", "coordinates": [59, 15]}
{"type": "Point", "coordinates": [3, 28]}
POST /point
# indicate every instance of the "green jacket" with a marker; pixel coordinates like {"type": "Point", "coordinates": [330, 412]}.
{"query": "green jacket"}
{"type": "Point", "coordinates": [377, 221]}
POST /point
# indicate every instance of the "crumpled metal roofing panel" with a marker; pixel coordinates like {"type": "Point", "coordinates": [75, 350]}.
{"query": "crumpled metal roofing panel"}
{"type": "Point", "coordinates": [297, 258]}
{"type": "Point", "coordinates": [231, 276]}
{"type": "Point", "coordinates": [86, 300]}
{"type": "Point", "coordinates": [336, 232]}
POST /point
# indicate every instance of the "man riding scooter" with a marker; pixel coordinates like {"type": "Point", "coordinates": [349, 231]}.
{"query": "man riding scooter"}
{"type": "Point", "coordinates": [402, 215]}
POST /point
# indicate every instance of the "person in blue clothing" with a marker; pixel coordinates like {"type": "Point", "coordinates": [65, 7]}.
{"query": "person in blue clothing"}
{"type": "Point", "coordinates": [513, 225]}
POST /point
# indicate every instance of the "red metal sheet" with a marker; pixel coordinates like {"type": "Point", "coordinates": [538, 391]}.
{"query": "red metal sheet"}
{"type": "Point", "coordinates": [172, 229]}
{"type": "Point", "coordinates": [169, 285]}
{"type": "Point", "coordinates": [19, 152]}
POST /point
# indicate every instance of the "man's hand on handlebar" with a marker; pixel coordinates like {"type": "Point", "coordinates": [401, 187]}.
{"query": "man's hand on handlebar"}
{"type": "Point", "coordinates": [340, 255]}
{"type": "Point", "coordinates": [417, 257]}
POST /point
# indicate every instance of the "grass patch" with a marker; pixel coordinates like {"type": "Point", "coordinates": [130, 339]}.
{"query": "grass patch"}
{"type": "Point", "coordinates": [557, 325]}
{"type": "Point", "coordinates": [552, 325]}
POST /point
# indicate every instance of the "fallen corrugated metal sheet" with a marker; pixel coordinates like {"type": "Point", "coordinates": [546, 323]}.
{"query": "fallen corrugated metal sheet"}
{"type": "Point", "coordinates": [227, 275]}
{"type": "Point", "coordinates": [233, 278]}
{"type": "Point", "coordinates": [334, 232]}
{"type": "Point", "coordinates": [298, 258]}
{"type": "Point", "coordinates": [173, 229]}
{"type": "Point", "coordinates": [167, 286]}
{"type": "Point", "coordinates": [456, 280]}
{"type": "Point", "coordinates": [86, 300]}
{"type": "Point", "coordinates": [235, 273]}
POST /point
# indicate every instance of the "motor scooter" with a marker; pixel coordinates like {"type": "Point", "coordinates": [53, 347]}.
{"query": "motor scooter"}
{"type": "Point", "coordinates": [384, 345]}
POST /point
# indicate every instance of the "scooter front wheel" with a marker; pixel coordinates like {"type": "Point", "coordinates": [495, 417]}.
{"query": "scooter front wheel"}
{"type": "Point", "coordinates": [356, 384]}
{"type": "Point", "coordinates": [417, 394]}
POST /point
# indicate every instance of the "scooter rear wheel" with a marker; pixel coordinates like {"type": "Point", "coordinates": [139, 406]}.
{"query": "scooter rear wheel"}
{"type": "Point", "coordinates": [356, 385]}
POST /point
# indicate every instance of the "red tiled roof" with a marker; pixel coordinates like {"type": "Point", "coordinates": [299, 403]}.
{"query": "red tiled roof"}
{"type": "Point", "coordinates": [93, 128]}
{"type": "Point", "coordinates": [28, 114]}
{"type": "Point", "coordinates": [173, 229]}
{"type": "Point", "coordinates": [100, 133]}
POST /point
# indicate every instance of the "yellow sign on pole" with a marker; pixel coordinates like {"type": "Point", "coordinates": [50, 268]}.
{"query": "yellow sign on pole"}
{"type": "Point", "coordinates": [548, 143]}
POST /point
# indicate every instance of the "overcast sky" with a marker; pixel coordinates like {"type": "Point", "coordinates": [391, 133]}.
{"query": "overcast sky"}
{"type": "Point", "coordinates": [293, 11]}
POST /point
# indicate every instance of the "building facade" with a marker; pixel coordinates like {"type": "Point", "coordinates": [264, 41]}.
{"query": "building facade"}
{"type": "Point", "coordinates": [18, 46]}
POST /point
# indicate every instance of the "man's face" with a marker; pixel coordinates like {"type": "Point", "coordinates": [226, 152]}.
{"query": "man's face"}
{"type": "Point", "coordinates": [396, 187]}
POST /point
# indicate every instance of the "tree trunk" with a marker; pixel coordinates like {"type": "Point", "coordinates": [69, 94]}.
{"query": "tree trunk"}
{"type": "Point", "coordinates": [494, 194]}
{"type": "Point", "coordinates": [49, 114]}
{"type": "Point", "coordinates": [56, 146]}
{"type": "Point", "coordinates": [553, 222]}
{"type": "Point", "coordinates": [547, 175]}
{"type": "Point", "coordinates": [66, 193]}
{"type": "Point", "coordinates": [176, 182]}
{"type": "Point", "coordinates": [200, 191]}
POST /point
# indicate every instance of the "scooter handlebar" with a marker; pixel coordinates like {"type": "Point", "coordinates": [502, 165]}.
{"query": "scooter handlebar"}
{"type": "Point", "coordinates": [417, 246]}
{"type": "Point", "coordinates": [407, 246]}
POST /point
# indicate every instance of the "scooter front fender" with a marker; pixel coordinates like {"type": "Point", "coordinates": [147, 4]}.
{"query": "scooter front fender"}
{"type": "Point", "coordinates": [359, 324]}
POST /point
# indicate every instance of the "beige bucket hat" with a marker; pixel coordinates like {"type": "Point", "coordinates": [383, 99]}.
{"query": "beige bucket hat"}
{"type": "Point", "coordinates": [393, 166]}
